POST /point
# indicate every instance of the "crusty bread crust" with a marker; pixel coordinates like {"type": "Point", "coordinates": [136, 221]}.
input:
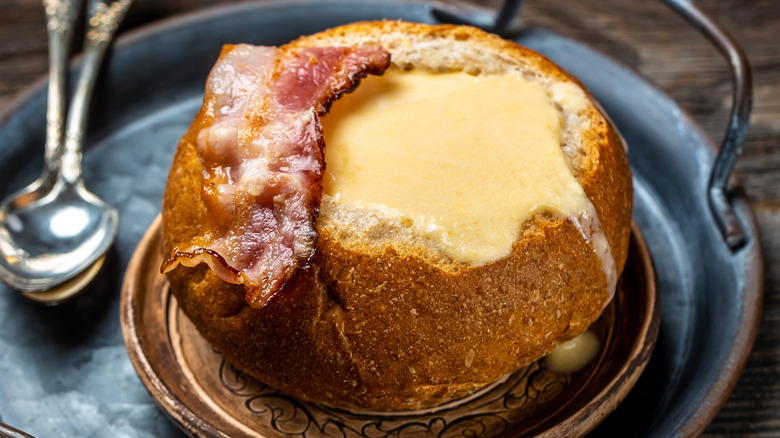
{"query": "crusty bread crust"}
{"type": "Point", "coordinates": [387, 329]}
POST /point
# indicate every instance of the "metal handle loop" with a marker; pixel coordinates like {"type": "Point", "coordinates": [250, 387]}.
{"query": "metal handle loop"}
{"type": "Point", "coordinates": [731, 146]}
{"type": "Point", "coordinates": [742, 102]}
{"type": "Point", "coordinates": [496, 23]}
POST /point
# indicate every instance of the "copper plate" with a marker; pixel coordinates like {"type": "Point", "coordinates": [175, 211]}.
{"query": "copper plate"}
{"type": "Point", "coordinates": [207, 397]}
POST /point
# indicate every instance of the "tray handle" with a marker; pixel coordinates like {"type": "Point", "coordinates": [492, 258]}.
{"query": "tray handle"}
{"type": "Point", "coordinates": [460, 13]}
{"type": "Point", "coordinates": [742, 103]}
{"type": "Point", "coordinates": [742, 97]}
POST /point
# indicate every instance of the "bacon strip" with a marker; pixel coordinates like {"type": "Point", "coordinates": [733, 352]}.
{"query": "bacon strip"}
{"type": "Point", "coordinates": [259, 140]}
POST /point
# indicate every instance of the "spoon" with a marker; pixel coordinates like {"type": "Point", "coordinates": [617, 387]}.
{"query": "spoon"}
{"type": "Point", "coordinates": [55, 228]}
{"type": "Point", "coordinates": [68, 289]}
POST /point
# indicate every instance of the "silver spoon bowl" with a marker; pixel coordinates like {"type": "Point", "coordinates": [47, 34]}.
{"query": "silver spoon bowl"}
{"type": "Point", "coordinates": [52, 234]}
{"type": "Point", "coordinates": [54, 229]}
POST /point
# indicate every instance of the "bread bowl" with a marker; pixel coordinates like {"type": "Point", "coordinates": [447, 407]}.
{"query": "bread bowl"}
{"type": "Point", "coordinates": [388, 317]}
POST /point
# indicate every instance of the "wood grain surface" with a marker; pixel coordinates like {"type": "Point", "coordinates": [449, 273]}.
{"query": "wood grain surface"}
{"type": "Point", "coordinates": [659, 46]}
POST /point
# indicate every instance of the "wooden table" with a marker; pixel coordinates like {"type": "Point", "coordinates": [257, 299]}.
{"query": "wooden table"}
{"type": "Point", "coordinates": [659, 46]}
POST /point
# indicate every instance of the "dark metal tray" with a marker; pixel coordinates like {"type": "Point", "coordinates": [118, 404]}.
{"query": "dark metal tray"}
{"type": "Point", "coordinates": [65, 371]}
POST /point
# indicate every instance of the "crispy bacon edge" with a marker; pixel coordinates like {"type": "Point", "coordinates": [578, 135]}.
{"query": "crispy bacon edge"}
{"type": "Point", "coordinates": [376, 61]}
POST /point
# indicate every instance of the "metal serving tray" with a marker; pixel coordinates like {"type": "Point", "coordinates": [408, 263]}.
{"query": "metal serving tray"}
{"type": "Point", "coordinates": [65, 372]}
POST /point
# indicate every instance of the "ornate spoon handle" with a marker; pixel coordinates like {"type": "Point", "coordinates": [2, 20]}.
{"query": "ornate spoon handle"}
{"type": "Point", "coordinates": [60, 15]}
{"type": "Point", "coordinates": [104, 19]}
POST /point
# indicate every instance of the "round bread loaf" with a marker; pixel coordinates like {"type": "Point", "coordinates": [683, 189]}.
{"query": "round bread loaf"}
{"type": "Point", "coordinates": [381, 323]}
